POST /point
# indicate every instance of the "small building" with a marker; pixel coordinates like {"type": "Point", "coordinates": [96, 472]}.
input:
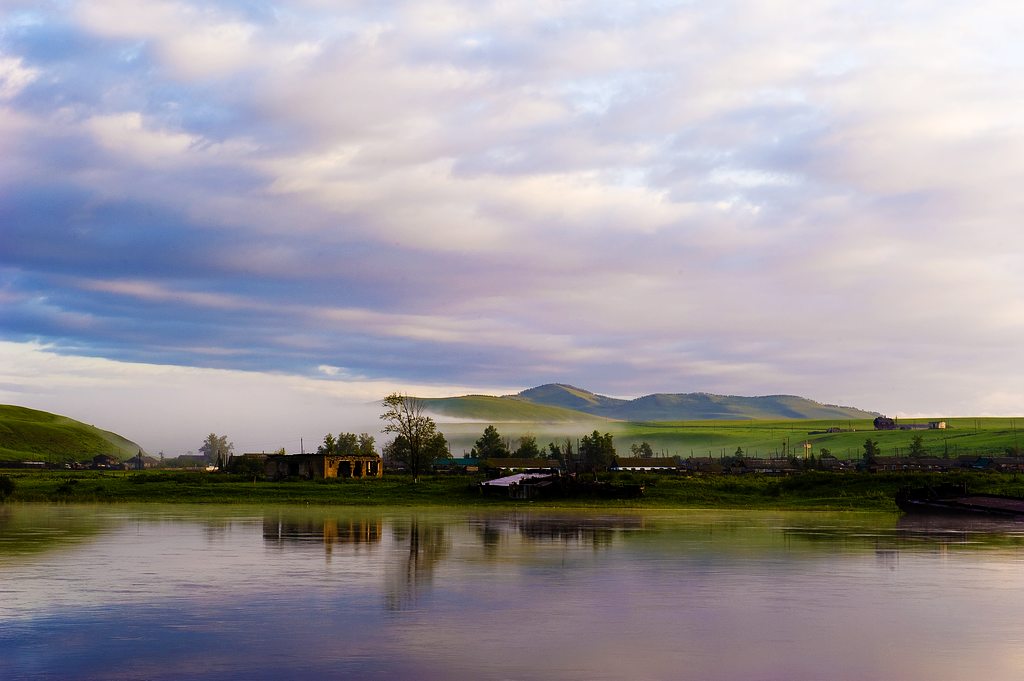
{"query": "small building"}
{"type": "Point", "coordinates": [523, 485]}
{"type": "Point", "coordinates": [322, 466]}
{"type": "Point", "coordinates": [106, 461]}
{"type": "Point", "coordinates": [141, 462]}
{"type": "Point", "coordinates": [465, 464]}
{"type": "Point", "coordinates": [702, 464]}
{"type": "Point", "coordinates": [663, 464]}
{"type": "Point", "coordinates": [780, 466]}
{"type": "Point", "coordinates": [508, 465]}
{"type": "Point", "coordinates": [881, 464]}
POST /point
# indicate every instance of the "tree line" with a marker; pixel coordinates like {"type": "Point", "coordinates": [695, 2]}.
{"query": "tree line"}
{"type": "Point", "coordinates": [417, 443]}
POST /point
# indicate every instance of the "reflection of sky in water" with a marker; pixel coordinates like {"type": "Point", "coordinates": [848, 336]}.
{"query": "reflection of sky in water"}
{"type": "Point", "coordinates": [221, 593]}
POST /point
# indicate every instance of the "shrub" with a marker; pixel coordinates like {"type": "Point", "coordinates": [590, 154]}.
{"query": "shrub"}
{"type": "Point", "coordinates": [6, 487]}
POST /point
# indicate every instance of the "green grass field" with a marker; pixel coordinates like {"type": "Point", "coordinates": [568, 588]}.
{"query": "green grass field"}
{"type": "Point", "coordinates": [766, 439]}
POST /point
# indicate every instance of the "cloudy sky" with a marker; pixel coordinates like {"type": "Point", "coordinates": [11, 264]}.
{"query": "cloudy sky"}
{"type": "Point", "coordinates": [242, 216]}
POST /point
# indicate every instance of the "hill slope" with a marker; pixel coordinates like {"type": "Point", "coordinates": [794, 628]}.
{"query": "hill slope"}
{"type": "Point", "coordinates": [577, 404]}
{"type": "Point", "coordinates": [502, 409]}
{"type": "Point", "coordinates": [29, 434]}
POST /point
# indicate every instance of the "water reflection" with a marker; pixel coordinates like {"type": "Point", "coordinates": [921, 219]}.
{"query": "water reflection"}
{"type": "Point", "coordinates": [280, 530]}
{"type": "Point", "coordinates": [234, 593]}
{"type": "Point", "coordinates": [45, 528]}
{"type": "Point", "coordinates": [572, 529]}
{"type": "Point", "coordinates": [426, 544]}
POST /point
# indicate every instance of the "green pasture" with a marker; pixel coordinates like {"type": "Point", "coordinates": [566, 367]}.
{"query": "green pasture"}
{"type": "Point", "coordinates": [767, 439]}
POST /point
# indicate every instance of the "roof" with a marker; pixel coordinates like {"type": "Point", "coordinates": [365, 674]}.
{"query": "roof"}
{"type": "Point", "coordinates": [513, 462]}
{"type": "Point", "coordinates": [510, 480]}
{"type": "Point", "coordinates": [457, 461]}
{"type": "Point", "coordinates": [645, 461]}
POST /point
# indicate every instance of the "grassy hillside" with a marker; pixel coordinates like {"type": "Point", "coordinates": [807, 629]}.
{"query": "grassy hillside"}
{"type": "Point", "coordinates": [32, 435]}
{"type": "Point", "coordinates": [501, 409]}
{"type": "Point", "coordinates": [574, 403]}
{"type": "Point", "coordinates": [571, 397]}
{"type": "Point", "coordinates": [704, 406]}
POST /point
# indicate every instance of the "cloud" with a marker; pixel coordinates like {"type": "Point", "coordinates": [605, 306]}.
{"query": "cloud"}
{"type": "Point", "coordinates": [710, 196]}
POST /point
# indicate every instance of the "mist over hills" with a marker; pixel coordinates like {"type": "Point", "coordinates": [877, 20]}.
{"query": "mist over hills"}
{"type": "Point", "coordinates": [560, 402]}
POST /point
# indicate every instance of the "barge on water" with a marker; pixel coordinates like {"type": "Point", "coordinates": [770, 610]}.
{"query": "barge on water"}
{"type": "Point", "coordinates": [955, 499]}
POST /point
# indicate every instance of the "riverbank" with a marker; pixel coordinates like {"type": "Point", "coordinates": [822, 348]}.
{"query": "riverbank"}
{"type": "Point", "coordinates": [806, 491]}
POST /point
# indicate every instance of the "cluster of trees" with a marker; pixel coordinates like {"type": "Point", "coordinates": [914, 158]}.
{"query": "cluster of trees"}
{"type": "Point", "coordinates": [593, 453]}
{"type": "Point", "coordinates": [347, 444]}
{"type": "Point", "coordinates": [217, 450]}
{"type": "Point", "coordinates": [492, 445]}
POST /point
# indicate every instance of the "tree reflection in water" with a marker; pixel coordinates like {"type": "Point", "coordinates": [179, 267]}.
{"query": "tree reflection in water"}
{"type": "Point", "coordinates": [410, 578]}
{"type": "Point", "coordinates": [280, 531]}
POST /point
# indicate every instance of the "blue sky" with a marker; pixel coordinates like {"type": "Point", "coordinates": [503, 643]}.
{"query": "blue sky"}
{"type": "Point", "coordinates": [298, 206]}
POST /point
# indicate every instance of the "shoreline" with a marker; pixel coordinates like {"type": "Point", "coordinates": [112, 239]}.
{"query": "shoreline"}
{"type": "Point", "coordinates": [811, 491]}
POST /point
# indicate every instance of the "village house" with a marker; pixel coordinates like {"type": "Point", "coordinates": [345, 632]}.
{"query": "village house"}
{"type": "Point", "coordinates": [321, 466]}
{"type": "Point", "coordinates": [702, 464]}
{"type": "Point", "coordinates": [106, 461]}
{"type": "Point", "coordinates": [889, 464]}
{"type": "Point", "coordinates": [465, 464]}
{"type": "Point", "coordinates": [142, 462]}
{"type": "Point", "coordinates": [645, 463]}
{"type": "Point", "coordinates": [767, 466]}
{"type": "Point", "coordinates": [506, 465]}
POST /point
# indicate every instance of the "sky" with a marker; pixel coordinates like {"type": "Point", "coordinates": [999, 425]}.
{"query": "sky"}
{"type": "Point", "coordinates": [257, 217]}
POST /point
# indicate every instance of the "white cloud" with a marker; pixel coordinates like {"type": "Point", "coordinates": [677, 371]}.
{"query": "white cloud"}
{"type": "Point", "coordinates": [14, 77]}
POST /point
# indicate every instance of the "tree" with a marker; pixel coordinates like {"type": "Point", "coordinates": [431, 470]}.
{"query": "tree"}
{"type": "Point", "coordinates": [403, 416]}
{"type": "Point", "coordinates": [328, 447]}
{"type": "Point", "coordinates": [738, 453]}
{"type": "Point", "coordinates": [917, 447]}
{"type": "Point", "coordinates": [642, 450]}
{"type": "Point", "coordinates": [348, 444]}
{"type": "Point", "coordinates": [597, 451]}
{"type": "Point", "coordinates": [365, 446]}
{"type": "Point", "coordinates": [217, 450]}
{"type": "Point", "coordinates": [564, 455]}
{"type": "Point", "coordinates": [490, 445]}
{"type": "Point", "coordinates": [871, 450]}
{"type": "Point", "coordinates": [6, 487]}
{"type": "Point", "coordinates": [528, 448]}
{"type": "Point", "coordinates": [397, 453]}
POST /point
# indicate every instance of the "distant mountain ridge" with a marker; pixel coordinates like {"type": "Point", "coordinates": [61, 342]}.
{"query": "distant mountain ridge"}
{"type": "Point", "coordinates": [568, 400]}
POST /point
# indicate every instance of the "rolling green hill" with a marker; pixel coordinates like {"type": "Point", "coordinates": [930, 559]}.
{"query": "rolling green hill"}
{"type": "Point", "coordinates": [32, 435]}
{"type": "Point", "coordinates": [502, 409]}
{"type": "Point", "coordinates": [572, 403]}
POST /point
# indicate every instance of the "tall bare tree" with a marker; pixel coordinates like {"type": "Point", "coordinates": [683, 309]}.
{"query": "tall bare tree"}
{"type": "Point", "coordinates": [404, 417]}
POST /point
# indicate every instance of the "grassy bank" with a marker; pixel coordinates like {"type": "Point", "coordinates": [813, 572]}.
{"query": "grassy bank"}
{"type": "Point", "coordinates": [807, 491]}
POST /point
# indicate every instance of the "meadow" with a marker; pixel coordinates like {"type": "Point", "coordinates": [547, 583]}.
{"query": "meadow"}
{"type": "Point", "coordinates": [769, 439]}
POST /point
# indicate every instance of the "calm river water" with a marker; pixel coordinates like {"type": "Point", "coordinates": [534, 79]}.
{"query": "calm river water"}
{"type": "Point", "coordinates": [222, 592]}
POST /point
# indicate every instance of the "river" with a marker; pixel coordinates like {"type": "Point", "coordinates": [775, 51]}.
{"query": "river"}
{"type": "Point", "coordinates": [227, 592]}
